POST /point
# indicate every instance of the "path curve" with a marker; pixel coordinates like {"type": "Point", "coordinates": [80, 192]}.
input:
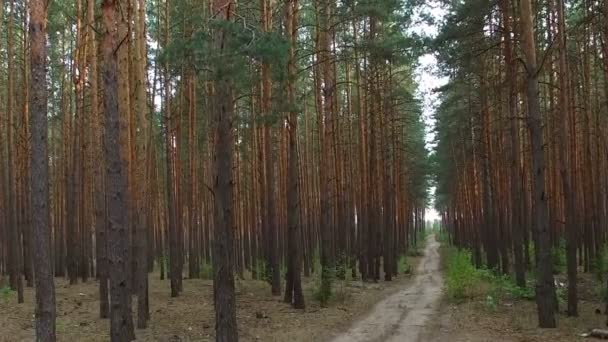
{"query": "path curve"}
{"type": "Point", "coordinates": [402, 316]}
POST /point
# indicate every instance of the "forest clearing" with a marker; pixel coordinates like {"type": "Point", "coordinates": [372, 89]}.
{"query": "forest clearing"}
{"type": "Point", "coordinates": [270, 170]}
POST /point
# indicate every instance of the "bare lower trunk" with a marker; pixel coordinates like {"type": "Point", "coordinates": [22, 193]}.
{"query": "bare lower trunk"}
{"type": "Point", "coordinates": [121, 322]}
{"type": "Point", "coordinates": [293, 287]}
{"type": "Point", "coordinates": [223, 257]}
{"type": "Point", "coordinates": [545, 287]}
{"type": "Point", "coordinates": [45, 287]}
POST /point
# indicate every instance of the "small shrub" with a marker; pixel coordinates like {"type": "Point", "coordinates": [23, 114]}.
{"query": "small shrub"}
{"type": "Point", "coordinates": [60, 327]}
{"type": "Point", "coordinates": [263, 271]}
{"type": "Point", "coordinates": [503, 285]}
{"type": "Point", "coordinates": [403, 266]}
{"type": "Point", "coordinates": [322, 289]}
{"type": "Point", "coordinates": [342, 266]}
{"type": "Point", "coordinates": [462, 279]}
{"type": "Point", "coordinates": [206, 270]}
{"type": "Point", "coordinates": [6, 292]}
{"type": "Point", "coordinates": [414, 252]}
{"type": "Point", "coordinates": [442, 236]}
{"type": "Point", "coordinates": [600, 264]}
{"type": "Point", "coordinates": [491, 302]}
{"type": "Point", "coordinates": [558, 254]}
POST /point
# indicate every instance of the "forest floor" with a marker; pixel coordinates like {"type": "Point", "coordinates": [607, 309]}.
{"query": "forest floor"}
{"type": "Point", "coordinates": [190, 317]}
{"type": "Point", "coordinates": [515, 319]}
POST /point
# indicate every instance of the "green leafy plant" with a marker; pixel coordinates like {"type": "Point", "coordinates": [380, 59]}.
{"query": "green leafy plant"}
{"type": "Point", "coordinates": [403, 266]}
{"type": "Point", "coordinates": [263, 271]}
{"type": "Point", "coordinates": [558, 254]}
{"type": "Point", "coordinates": [462, 279]}
{"type": "Point", "coordinates": [491, 302]}
{"type": "Point", "coordinates": [5, 293]}
{"type": "Point", "coordinates": [322, 279]}
{"type": "Point", "coordinates": [600, 264]}
{"type": "Point", "coordinates": [206, 270]}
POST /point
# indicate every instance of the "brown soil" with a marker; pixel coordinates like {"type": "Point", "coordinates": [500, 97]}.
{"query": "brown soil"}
{"type": "Point", "coordinates": [510, 322]}
{"type": "Point", "coordinates": [261, 317]}
{"type": "Point", "coordinates": [515, 320]}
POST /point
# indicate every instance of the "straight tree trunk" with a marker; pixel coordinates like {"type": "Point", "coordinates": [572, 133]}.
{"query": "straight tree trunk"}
{"type": "Point", "coordinates": [293, 287]}
{"type": "Point", "coordinates": [545, 287]}
{"type": "Point", "coordinates": [121, 322]}
{"type": "Point", "coordinates": [567, 190]}
{"type": "Point", "coordinates": [223, 257]}
{"type": "Point", "coordinates": [99, 200]}
{"type": "Point", "coordinates": [45, 286]}
{"type": "Point", "coordinates": [516, 189]}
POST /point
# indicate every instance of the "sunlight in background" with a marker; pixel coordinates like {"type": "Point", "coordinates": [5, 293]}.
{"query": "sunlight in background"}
{"type": "Point", "coordinates": [428, 79]}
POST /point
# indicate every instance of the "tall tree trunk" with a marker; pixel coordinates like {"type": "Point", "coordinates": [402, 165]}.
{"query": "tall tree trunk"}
{"type": "Point", "coordinates": [545, 287]}
{"type": "Point", "coordinates": [99, 200]}
{"type": "Point", "coordinates": [121, 322]}
{"type": "Point", "coordinates": [45, 286]}
{"type": "Point", "coordinates": [567, 190]}
{"type": "Point", "coordinates": [223, 257]}
{"type": "Point", "coordinates": [516, 189]}
{"type": "Point", "coordinates": [293, 287]}
{"type": "Point", "coordinates": [325, 166]}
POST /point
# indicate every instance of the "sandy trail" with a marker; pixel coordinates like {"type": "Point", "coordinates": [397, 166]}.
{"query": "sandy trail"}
{"type": "Point", "coordinates": [402, 316]}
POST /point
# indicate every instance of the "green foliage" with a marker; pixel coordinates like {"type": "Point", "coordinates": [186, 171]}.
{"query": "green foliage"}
{"type": "Point", "coordinates": [558, 255]}
{"type": "Point", "coordinates": [342, 266]}
{"type": "Point", "coordinates": [417, 248]}
{"type": "Point", "coordinates": [60, 326]}
{"type": "Point", "coordinates": [403, 266]}
{"type": "Point", "coordinates": [414, 252]}
{"type": "Point", "coordinates": [6, 292]}
{"type": "Point", "coordinates": [503, 285]}
{"type": "Point", "coordinates": [491, 302]}
{"type": "Point", "coordinates": [323, 278]}
{"type": "Point", "coordinates": [206, 271]}
{"type": "Point", "coordinates": [164, 260]}
{"type": "Point", "coordinates": [324, 291]}
{"type": "Point", "coordinates": [263, 271]}
{"type": "Point", "coordinates": [462, 279]}
{"type": "Point", "coordinates": [600, 264]}
{"type": "Point", "coordinates": [442, 236]}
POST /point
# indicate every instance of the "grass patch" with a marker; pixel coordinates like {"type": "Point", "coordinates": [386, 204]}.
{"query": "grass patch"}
{"type": "Point", "coordinates": [465, 282]}
{"type": "Point", "coordinates": [206, 271]}
{"type": "Point", "coordinates": [403, 266]}
{"type": "Point", "coordinates": [600, 264]}
{"type": "Point", "coordinates": [5, 293]}
{"type": "Point", "coordinates": [558, 255]}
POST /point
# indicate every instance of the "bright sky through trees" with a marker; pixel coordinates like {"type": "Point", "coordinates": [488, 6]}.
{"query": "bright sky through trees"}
{"type": "Point", "coordinates": [427, 77]}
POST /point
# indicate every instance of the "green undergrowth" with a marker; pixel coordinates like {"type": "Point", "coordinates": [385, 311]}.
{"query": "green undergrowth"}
{"type": "Point", "coordinates": [321, 288]}
{"type": "Point", "coordinates": [558, 255]}
{"type": "Point", "coordinates": [403, 265]}
{"type": "Point", "coordinates": [338, 279]}
{"type": "Point", "coordinates": [206, 270]}
{"type": "Point", "coordinates": [600, 264]}
{"type": "Point", "coordinates": [417, 248]}
{"type": "Point", "coordinates": [465, 282]}
{"type": "Point", "coordinates": [5, 293]}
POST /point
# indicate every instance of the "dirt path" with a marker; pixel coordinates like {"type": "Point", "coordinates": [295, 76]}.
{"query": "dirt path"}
{"type": "Point", "coordinates": [402, 316]}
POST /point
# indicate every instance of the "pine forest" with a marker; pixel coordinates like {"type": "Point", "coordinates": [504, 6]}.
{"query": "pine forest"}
{"type": "Point", "coordinates": [303, 170]}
